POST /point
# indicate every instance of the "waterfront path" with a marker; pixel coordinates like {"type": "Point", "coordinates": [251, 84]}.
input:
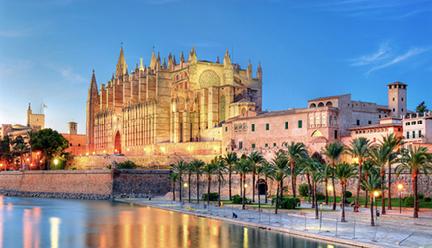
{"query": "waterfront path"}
{"type": "Point", "coordinates": [393, 229]}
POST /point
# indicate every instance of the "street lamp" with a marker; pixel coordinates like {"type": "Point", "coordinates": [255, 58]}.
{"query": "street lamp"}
{"type": "Point", "coordinates": [56, 161]}
{"type": "Point", "coordinates": [376, 193]}
{"type": "Point", "coordinates": [400, 188]}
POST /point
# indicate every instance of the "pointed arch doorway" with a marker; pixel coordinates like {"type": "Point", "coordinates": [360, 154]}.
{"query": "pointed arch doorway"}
{"type": "Point", "coordinates": [117, 143]}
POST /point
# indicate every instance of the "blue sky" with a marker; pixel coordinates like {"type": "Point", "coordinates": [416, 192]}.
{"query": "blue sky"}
{"type": "Point", "coordinates": [48, 48]}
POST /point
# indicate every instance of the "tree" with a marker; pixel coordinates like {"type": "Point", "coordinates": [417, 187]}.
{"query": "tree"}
{"type": "Point", "coordinates": [219, 171]}
{"type": "Point", "coordinates": [295, 152]}
{"type": "Point", "coordinates": [180, 168]}
{"type": "Point", "coordinates": [415, 160]}
{"type": "Point", "coordinates": [372, 184]}
{"type": "Point", "coordinates": [197, 166]}
{"type": "Point", "coordinates": [189, 169]}
{"type": "Point", "coordinates": [243, 166]}
{"type": "Point", "coordinates": [422, 108]}
{"type": "Point", "coordinates": [368, 168]}
{"type": "Point", "coordinates": [359, 149]}
{"type": "Point", "coordinates": [173, 177]}
{"type": "Point", "coordinates": [209, 169]}
{"type": "Point", "coordinates": [393, 143]}
{"type": "Point", "coordinates": [19, 148]}
{"type": "Point", "coordinates": [344, 172]}
{"type": "Point", "coordinates": [317, 169]}
{"type": "Point", "coordinates": [333, 152]}
{"type": "Point", "coordinates": [265, 169]}
{"type": "Point", "coordinates": [256, 158]}
{"type": "Point", "coordinates": [50, 142]}
{"type": "Point", "coordinates": [5, 152]}
{"type": "Point", "coordinates": [230, 159]}
{"type": "Point", "coordinates": [279, 172]}
{"type": "Point", "coordinates": [378, 155]}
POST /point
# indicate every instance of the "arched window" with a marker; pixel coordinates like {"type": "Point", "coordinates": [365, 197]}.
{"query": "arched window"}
{"type": "Point", "coordinates": [313, 105]}
{"type": "Point", "coordinates": [321, 104]}
{"type": "Point", "coordinates": [329, 104]}
{"type": "Point", "coordinates": [316, 133]}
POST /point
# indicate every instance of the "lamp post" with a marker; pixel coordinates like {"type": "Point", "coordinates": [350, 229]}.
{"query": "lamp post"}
{"type": "Point", "coordinates": [400, 188]}
{"type": "Point", "coordinates": [376, 193]}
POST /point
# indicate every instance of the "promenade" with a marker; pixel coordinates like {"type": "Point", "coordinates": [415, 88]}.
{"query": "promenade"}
{"type": "Point", "coordinates": [392, 229]}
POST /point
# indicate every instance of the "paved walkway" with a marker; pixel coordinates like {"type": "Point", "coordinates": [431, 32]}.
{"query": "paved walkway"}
{"type": "Point", "coordinates": [393, 229]}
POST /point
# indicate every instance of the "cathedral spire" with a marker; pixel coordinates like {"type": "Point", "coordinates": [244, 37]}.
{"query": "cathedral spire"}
{"type": "Point", "coordinates": [259, 72]}
{"type": "Point", "coordinates": [192, 56]}
{"type": "Point", "coordinates": [93, 84]}
{"type": "Point", "coordinates": [153, 61]}
{"type": "Point", "coordinates": [141, 66]}
{"type": "Point", "coordinates": [121, 68]}
{"type": "Point", "coordinates": [182, 59]}
{"type": "Point", "coordinates": [227, 59]}
{"type": "Point", "coordinates": [249, 70]}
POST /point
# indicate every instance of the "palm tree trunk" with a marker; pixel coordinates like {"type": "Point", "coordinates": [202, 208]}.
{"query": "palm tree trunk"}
{"type": "Point", "coordinates": [208, 189]}
{"type": "Point", "coordinates": [277, 199]}
{"type": "Point", "coordinates": [416, 200]}
{"type": "Point", "coordinates": [189, 186]}
{"type": "Point", "coordinates": [315, 204]}
{"type": "Point", "coordinates": [326, 191]}
{"type": "Point", "coordinates": [383, 210]}
{"type": "Point", "coordinates": [309, 186]}
{"type": "Point", "coordinates": [372, 212]}
{"type": "Point", "coordinates": [180, 187]}
{"type": "Point", "coordinates": [389, 186]}
{"type": "Point", "coordinates": [266, 189]}
{"type": "Point", "coordinates": [244, 193]}
{"type": "Point", "coordinates": [241, 184]}
{"type": "Point", "coordinates": [253, 184]}
{"type": "Point", "coordinates": [293, 180]}
{"type": "Point", "coordinates": [343, 203]}
{"type": "Point", "coordinates": [173, 190]}
{"type": "Point", "coordinates": [197, 188]}
{"type": "Point", "coordinates": [229, 182]}
{"type": "Point", "coordinates": [366, 198]}
{"type": "Point", "coordinates": [281, 189]}
{"type": "Point", "coordinates": [334, 193]}
{"type": "Point", "coordinates": [357, 205]}
{"type": "Point", "coordinates": [219, 190]}
{"type": "Point", "coordinates": [313, 193]}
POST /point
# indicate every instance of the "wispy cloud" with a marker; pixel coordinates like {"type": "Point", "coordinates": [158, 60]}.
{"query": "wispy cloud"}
{"type": "Point", "coordinates": [13, 33]}
{"type": "Point", "coordinates": [68, 74]}
{"type": "Point", "coordinates": [400, 58]}
{"type": "Point", "coordinates": [382, 53]}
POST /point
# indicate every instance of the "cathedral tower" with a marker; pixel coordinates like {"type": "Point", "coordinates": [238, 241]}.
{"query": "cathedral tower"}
{"type": "Point", "coordinates": [92, 107]}
{"type": "Point", "coordinates": [397, 99]}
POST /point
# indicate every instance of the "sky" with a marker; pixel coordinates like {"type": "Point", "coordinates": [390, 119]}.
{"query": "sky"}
{"type": "Point", "coordinates": [308, 49]}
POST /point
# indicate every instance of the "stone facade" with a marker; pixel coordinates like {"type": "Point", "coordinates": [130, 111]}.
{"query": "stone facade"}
{"type": "Point", "coordinates": [181, 102]}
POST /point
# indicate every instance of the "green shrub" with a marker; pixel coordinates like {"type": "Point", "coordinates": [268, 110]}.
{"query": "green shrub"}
{"type": "Point", "coordinates": [125, 165]}
{"type": "Point", "coordinates": [236, 199]}
{"type": "Point", "coordinates": [287, 202]}
{"type": "Point", "coordinates": [213, 196]}
{"type": "Point", "coordinates": [304, 189]}
{"type": "Point", "coordinates": [409, 201]}
{"type": "Point", "coordinates": [420, 196]}
{"type": "Point", "coordinates": [320, 196]}
{"type": "Point", "coordinates": [427, 199]}
{"type": "Point", "coordinates": [348, 194]}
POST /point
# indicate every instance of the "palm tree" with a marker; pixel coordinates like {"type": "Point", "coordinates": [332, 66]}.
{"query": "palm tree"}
{"type": "Point", "coordinates": [333, 152]}
{"type": "Point", "coordinates": [295, 152]}
{"type": "Point", "coordinates": [243, 166]}
{"type": "Point", "coordinates": [197, 168]}
{"type": "Point", "coordinates": [265, 169]}
{"type": "Point", "coordinates": [173, 177]}
{"type": "Point", "coordinates": [280, 170]}
{"type": "Point", "coordinates": [316, 168]}
{"type": "Point", "coordinates": [256, 158]}
{"type": "Point", "coordinates": [20, 147]}
{"type": "Point", "coordinates": [209, 169]}
{"type": "Point", "coordinates": [180, 168]}
{"type": "Point", "coordinates": [344, 172]}
{"type": "Point", "coordinates": [230, 159]}
{"type": "Point", "coordinates": [189, 169]}
{"type": "Point", "coordinates": [416, 160]}
{"type": "Point", "coordinates": [378, 155]}
{"type": "Point", "coordinates": [368, 168]}
{"type": "Point", "coordinates": [393, 143]}
{"type": "Point", "coordinates": [219, 171]}
{"type": "Point", "coordinates": [359, 149]}
{"type": "Point", "coordinates": [372, 184]}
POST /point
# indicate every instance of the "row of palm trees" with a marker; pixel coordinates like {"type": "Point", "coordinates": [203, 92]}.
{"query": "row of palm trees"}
{"type": "Point", "coordinates": [371, 168]}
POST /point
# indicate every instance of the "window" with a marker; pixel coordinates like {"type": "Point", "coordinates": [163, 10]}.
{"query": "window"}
{"type": "Point", "coordinates": [419, 122]}
{"type": "Point", "coordinates": [300, 124]}
{"type": "Point", "coordinates": [407, 124]}
{"type": "Point", "coordinates": [266, 145]}
{"type": "Point", "coordinates": [407, 136]}
{"type": "Point", "coordinates": [335, 134]}
{"type": "Point", "coordinates": [358, 122]}
{"type": "Point", "coordinates": [413, 133]}
{"type": "Point", "coordinates": [401, 109]}
{"type": "Point", "coordinates": [413, 123]}
{"type": "Point", "coordinates": [379, 116]}
{"type": "Point", "coordinates": [241, 145]}
{"type": "Point", "coordinates": [402, 99]}
{"type": "Point", "coordinates": [267, 126]}
{"type": "Point", "coordinates": [286, 125]}
{"type": "Point", "coordinates": [369, 122]}
{"type": "Point", "coordinates": [253, 146]}
{"type": "Point", "coordinates": [393, 99]}
{"type": "Point", "coordinates": [394, 110]}
{"type": "Point", "coordinates": [274, 144]}
{"type": "Point", "coordinates": [420, 134]}
{"type": "Point", "coordinates": [226, 129]}
{"type": "Point", "coordinates": [253, 127]}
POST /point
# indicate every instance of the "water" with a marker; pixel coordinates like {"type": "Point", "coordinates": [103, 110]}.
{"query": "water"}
{"type": "Point", "coordinates": [32, 222]}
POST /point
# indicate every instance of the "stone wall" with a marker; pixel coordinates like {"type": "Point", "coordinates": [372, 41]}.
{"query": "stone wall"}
{"type": "Point", "coordinates": [85, 184]}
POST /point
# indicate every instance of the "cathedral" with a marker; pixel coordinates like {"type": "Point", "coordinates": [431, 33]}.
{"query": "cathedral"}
{"type": "Point", "coordinates": [170, 107]}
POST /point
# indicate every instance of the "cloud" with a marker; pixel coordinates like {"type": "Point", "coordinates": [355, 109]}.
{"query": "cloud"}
{"type": "Point", "coordinates": [382, 53]}
{"type": "Point", "coordinates": [400, 58]}
{"type": "Point", "coordinates": [13, 33]}
{"type": "Point", "coordinates": [68, 74]}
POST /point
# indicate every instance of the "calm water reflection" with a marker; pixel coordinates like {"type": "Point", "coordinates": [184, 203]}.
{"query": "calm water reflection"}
{"type": "Point", "coordinates": [30, 222]}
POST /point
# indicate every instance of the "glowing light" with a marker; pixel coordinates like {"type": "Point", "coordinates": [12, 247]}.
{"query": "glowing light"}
{"type": "Point", "coordinates": [162, 149]}
{"type": "Point", "coordinates": [104, 151]}
{"type": "Point", "coordinates": [1, 165]}
{"type": "Point", "coordinates": [185, 185]}
{"type": "Point", "coordinates": [87, 154]}
{"type": "Point", "coordinates": [94, 153]}
{"type": "Point", "coordinates": [56, 161]}
{"type": "Point", "coordinates": [355, 160]}
{"type": "Point", "coordinates": [400, 186]}
{"type": "Point", "coordinates": [330, 187]}
{"type": "Point", "coordinates": [245, 185]}
{"type": "Point", "coordinates": [376, 193]}
{"type": "Point", "coordinates": [54, 231]}
{"type": "Point", "coordinates": [28, 159]}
